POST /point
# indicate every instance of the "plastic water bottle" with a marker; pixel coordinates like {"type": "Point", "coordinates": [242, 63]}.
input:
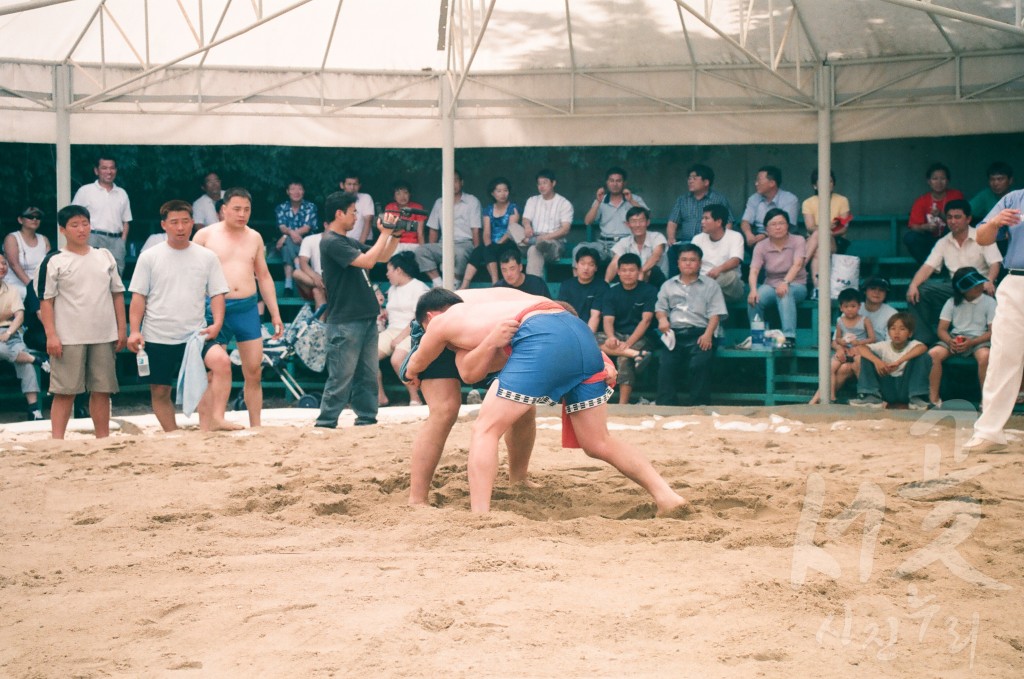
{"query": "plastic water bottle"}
{"type": "Point", "coordinates": [757, 333]}
{"type": "Point", "coordinates": [142, 361]}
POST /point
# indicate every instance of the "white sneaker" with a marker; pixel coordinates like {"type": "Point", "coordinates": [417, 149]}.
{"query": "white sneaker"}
{"type": "Point", "coordinates": [980, 445]}
{"type": "Point", "coordinates": [918, 403]}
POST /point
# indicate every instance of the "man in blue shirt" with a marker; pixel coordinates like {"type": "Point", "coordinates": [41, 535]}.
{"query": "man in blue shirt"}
{"type": "Point", "coordinates": [296, 219]}
{"type": "Point", "coordinates": [684, 222]}
{"type": "Point", "coordinates": [768, 194]}
{"type": "Point", "coordinates": [1006, 360]}
{"type": "Point", "coordinates": [628, 312]}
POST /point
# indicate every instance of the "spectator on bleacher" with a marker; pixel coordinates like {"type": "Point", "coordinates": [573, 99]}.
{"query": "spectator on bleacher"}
{"type": "Point", "coordinates": [309, 276]}
{"type": "Point", "coordinates": [168, 309]}
{"type": "Point", "coordinates": [204, 208]}
{"type": "Point", "coordinates": [965, 328]}
{"type": "Point", "coordinates": [608, 211]}
{"type": "Point", "coordinates": [82, 308]}
{"type": "Point", "coordinates": [512, 275]}
{"type": "Point", "coordinates": [690, 307]}
{"type": "Point", "coordinates": [393, 341]}
{"type": "Point", "coordinates": [927, 222]}
{"type": "Point", "coordinates": [722, 250]}
{"type": "Point", "coordinates": [12, 344]}
{"type": "Point", "coordinates": [547, 219]}
{"type": "Point", "coordinates": [1006, 360]}
{"type": "Point", "coordinates": [352, 309]}
{"type": "Point", "coordinates": [782, 255]}
{"type": "Point", "coordinates": [402, 194]}
{"type": "Point", "coordinates": [875, 309]}
{"type": "Point", "coordinates": [853, 329]}
{"type": "Point", "coordinates": [768, 195]}
{"type": "Point", "coordinates": [1000, 181]}
{"type": "Point", "coordinates": [243, 259]}
{"type": "Point", "coordinates": [839, 214]}
{"type": "Point", "coordinates": [109, 209]}
{"type": "Point", "coordinates": [895, 370]}
{"type": "Point", "coordinates": [350, 183]}
{"type": "Point", "coordinates": [496, 237]}
{"type": "Point", "coordinates": [24, 249]}
{"type": "Point", "coordinates": [955, 250]}
{"type": "Point", "coordinates": [628, 310]}
{"type": "Point", "coordinates": [466, 231]}
{"type": "Point", "coordinates": [296, 219]}
{"type": "Point", "coordinates": [648, 245]}
{"type": "Point", "coordinates": [585, 291]}
{"type": "Point", "coordinates": [686, 219]}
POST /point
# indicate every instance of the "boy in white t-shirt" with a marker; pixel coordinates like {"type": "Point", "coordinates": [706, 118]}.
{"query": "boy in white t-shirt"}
{"type": "Point", "coordinates": [82, 308]}
{"type": "Point", "coordinates": [965, 327]}
{"type": "Point", "coordinates": [894, 371]}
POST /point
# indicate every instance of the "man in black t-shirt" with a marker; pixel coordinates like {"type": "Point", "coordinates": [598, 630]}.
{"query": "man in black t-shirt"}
{"type": "Point", "coordinates": [628, 312]}
{"type": "Point", "coordinates": [512, 275]}
{"type": "Point", "coordinates": [352, 311]}
{"type": "Point", "coordinates": [585, 293]}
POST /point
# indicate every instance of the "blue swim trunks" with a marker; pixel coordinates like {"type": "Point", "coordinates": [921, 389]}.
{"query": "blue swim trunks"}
{"type": "Point", "coordinates": [241, 320]}
{"type": "Point", "coordinates": [553, 356]}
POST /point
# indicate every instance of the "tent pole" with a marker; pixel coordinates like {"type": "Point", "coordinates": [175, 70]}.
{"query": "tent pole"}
{"type": "Point", "coordinates": [61, 102]}
{"type": "Point", "coordinates": [824, 233]}
{"type": "Point", "coordinates": [447, 183]}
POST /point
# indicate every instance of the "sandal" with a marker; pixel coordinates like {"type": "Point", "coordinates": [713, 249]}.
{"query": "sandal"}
{"type": "Point", "coordinates": [642, 360]}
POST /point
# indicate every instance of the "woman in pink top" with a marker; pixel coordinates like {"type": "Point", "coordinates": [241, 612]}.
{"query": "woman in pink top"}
{"type": "Point", "coordinates": [782, 256]}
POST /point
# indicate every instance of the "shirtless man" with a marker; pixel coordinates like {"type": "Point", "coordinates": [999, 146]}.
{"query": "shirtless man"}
{"type": "Point", "coordinates": [442, 390]}
{"type": "Point", "coordinates": [244, 260]}
{"type": "Point", "coordinates": [554, 356]}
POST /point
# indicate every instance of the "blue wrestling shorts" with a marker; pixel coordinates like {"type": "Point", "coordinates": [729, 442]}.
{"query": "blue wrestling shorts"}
{"type": "Point", "coordinates": [241, 320]}
{"type": "Point", "coordinates": [553, 357]}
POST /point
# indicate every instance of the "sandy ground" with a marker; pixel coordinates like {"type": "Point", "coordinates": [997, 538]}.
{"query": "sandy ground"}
{"type": "Point", "coordinates": [854, 548]}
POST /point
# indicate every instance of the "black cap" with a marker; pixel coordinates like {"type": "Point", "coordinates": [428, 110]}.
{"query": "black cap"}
{"type": "Point", "coordinates": [31, 212]}
{"type": "Point", "coordinates": [876, 282]}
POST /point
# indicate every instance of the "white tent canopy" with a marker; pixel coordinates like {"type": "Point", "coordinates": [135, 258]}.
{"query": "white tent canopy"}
{"type": "Point", "coordinates": [485, 73]}
{"type": "Point", "coordinates": [521, 72]}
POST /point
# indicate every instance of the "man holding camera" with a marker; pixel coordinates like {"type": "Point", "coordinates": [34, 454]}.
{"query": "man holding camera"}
{"type": "Point", "coordinates": [352, 311]}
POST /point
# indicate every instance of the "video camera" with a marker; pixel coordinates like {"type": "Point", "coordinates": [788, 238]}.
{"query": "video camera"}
{"type": "Point", "coordinates": [405, 218]}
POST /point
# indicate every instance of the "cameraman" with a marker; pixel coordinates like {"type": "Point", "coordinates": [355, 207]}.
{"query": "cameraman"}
{"type": "Point", "coordinates": [409, 239]}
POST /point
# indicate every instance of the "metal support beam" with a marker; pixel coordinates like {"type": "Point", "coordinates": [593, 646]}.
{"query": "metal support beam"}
{"type": "Point", "coordinates": [931, 9]}
{"type": "Point", "coordinates": [447, 182]}
{"type": "Point", "coordinates": [824, 233]}
{"type": "Point", "coordinates": [61, 101]}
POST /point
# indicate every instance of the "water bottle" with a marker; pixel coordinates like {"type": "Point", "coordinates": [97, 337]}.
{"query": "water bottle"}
{"type": "Point", "coordinates": [757, 333]}
{"type": "Point", "coordinates": [142, 361]}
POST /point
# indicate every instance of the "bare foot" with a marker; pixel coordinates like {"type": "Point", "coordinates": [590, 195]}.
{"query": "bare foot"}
{"type": "Point", "coordinates": [420, 504]}
{"type": "Point", "coordinates": [677, 510]}
{"type": "Point", "coordinates": [220, 425]}
{"type": "Point", "coordinates": [525, 483]}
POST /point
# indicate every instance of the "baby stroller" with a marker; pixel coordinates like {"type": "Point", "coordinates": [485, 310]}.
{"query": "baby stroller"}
{"type": "Point", "coordinates": [305, 337]}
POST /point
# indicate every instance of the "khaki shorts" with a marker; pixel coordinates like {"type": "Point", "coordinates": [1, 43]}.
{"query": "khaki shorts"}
{"type": "Point", "coordinates": [385, 337]}
{"type": "Point", "coordinates": [84, 366]}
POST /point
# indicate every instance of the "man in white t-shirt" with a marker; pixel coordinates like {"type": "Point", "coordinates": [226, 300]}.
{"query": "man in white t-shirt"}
{"type": "Point", "coordinates": [364, 206]}
{"type": "Point", "coordinates": [723, 251]}
{"type": "Point", "coordinates": [547, 219]}
{"type": "Point", "coordinates": [649, 246]}
{"type": "Point", "coordinates": [169, 289]}
{"type": "Point", "coordinates": [109, 210]}
{"type": "Point", "coordinates": [310, 274]}
{"type": "Point", "coordinates": [467, 219]}
{"type": "Point", "coordinates": [204, 209]}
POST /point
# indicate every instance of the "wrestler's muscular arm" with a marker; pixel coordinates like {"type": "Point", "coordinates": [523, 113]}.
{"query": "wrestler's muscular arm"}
{"type": "Point", "coordinates": [475, 364]}
{"type": "Point", "coordinates": [265, 282]}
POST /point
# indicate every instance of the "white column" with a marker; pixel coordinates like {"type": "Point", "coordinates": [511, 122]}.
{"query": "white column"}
{"type": "Point", "coordinates": [824, 232]}
{"type": "Point", "coordinates": [62, 95]}
{"type": "Point", "coordinates": [447, 184]}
